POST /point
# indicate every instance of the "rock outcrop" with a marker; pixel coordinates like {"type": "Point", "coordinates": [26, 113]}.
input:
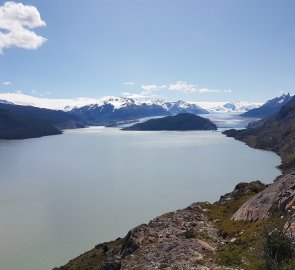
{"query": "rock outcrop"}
{"type": "Point", "coordinates": [240, 190]}
{"type": "Point", "coordinates": [279, 197]}
{"type": "Point", "coordinates": [184, 240]}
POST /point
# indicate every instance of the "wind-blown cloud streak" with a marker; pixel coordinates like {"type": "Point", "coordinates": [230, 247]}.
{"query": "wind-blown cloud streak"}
{"type": "Point", "coordinates": [16, 24]}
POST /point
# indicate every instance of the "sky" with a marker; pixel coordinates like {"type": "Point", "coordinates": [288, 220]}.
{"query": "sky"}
{"type": "Point", "coordinates": [194, 50]}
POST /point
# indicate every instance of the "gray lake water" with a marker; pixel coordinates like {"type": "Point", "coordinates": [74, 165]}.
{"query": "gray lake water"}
{"type": "Point", "coordinates": [61, 195]}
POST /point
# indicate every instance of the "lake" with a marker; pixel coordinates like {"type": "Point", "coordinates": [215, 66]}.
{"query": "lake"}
{"type": "Point", "coordinates": [62, 195]}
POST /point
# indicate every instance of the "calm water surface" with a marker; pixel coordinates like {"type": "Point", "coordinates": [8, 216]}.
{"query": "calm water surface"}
{"type": "Point", "coordinates": [61, 195]}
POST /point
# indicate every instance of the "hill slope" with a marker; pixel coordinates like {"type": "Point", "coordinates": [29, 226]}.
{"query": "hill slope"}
{"type": "Point", "coordinates": [59, 119]}
{"type": "Point", "coordinates": [180, 122]}
{"type": "Point", "coordinates": [15, 126]}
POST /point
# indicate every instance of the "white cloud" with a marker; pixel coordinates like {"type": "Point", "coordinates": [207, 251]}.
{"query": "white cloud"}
{"type": "Point", "coordinates": [151, 89]}
{"type": "Point", "coordinates": [7, 83]}
{"type": "Point", "coordinates": [228, 91]}
{"type": "Point", "coordinates": [187, 87]}
{"type": "Point", "coordinates": [129, 83]}
{"type": "Point", "coordinates": [182, 86]}
{"type": "Point", "coordinates": [133, 95]}
{"type": "Point", "coordinates": [16, 24]}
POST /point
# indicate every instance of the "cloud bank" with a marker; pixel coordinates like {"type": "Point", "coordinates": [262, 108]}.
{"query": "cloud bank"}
{"type": "Point", "coordinates": [16, 24]}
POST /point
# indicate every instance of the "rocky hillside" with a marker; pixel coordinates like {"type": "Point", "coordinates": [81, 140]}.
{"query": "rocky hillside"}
{"type": "Point", "coordinates": [180, 122]}
{"type": "Point", "coordinates": [185, 239]}
{"type": "Point", "coordinates": [203, 236]}
{"type": "Point", "coordinates": [276, 134]}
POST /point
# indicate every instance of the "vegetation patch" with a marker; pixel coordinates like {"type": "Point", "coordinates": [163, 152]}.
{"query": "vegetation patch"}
{"type": "Point", "coordinates": [250, 245]}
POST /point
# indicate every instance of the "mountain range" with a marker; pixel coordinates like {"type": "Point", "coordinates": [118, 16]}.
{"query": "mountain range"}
{"type": "Point", "coordinates": [120, 102]}
{"type": "Point", "coordinates": [80, 112]}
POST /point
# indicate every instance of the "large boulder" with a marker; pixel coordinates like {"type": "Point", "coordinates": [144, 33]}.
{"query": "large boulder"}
{"type": "Point", "coordinates": [280, 195]}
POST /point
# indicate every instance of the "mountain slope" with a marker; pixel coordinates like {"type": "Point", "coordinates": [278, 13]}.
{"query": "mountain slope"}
{"type": "Point", "coordinates": [181, 122]}
{"type": "Point", "coordinates": [269, 108]}
{"type": "Point", "coordinates": [59, 119]}
{"type": "Point", "coordinates": [16, 126]}
{"type": "Point", "coordinates": [276, 134]}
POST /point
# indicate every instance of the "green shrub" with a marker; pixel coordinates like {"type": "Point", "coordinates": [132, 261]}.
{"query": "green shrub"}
{"type": "Point", "coordinates": [278, 250]}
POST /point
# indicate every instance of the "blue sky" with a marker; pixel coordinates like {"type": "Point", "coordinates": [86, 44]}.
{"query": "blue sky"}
{"type": "Point", "coordinates": [186, 49]}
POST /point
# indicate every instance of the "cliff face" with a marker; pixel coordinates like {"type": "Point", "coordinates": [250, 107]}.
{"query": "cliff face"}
{"type": "Point", "coordinates": [276, 198]}
{"type": "Point", "coordinates": [279, 196]}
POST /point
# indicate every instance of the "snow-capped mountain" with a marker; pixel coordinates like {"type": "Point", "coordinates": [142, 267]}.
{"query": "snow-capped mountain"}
{"type": "Point", "coordinates": [270, 107]}
{"type": "Point", "coordinates": [114, 110]}
{"type": "Point", "coordinates": [111, 109]}
{"type": "Point", "coordinates": [116, 102]}
{"type": "Point", "coordinates": [119, 102]}
{"type": "Point", "coordinates": [107, 110]}
{"type": "Point", "coordinates": [229, 107]}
